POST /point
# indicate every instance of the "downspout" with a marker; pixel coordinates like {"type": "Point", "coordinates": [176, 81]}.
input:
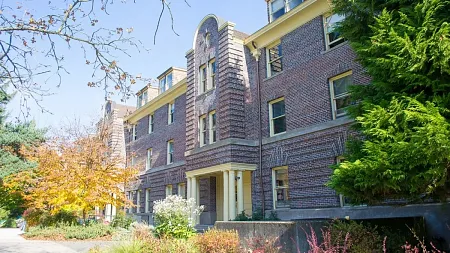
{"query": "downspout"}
{"type": "Point", "coordinates": [257, 54]}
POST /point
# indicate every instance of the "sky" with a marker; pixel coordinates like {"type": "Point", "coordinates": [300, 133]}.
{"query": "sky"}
{"type": "Point", "coordinates": [74, 99]}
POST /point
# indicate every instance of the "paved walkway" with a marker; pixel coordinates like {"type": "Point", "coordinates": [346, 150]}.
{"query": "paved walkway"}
{"type": "Point", "coordinates": [12, 242]}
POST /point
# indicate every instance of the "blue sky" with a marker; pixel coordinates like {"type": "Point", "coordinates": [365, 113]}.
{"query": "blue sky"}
{"type": "Point", "coordinates": [74, 99]}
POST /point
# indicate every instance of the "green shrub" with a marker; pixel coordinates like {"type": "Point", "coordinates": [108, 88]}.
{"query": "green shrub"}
{"type": "Point", "coordinates": [218, 241]}
{"type": "Point", "coordinates": [36, 217]}
{"type": "Point", "coordinates": [4, 214]}
{"type": "Point", "coordinates": [242, 217]}
{"type": "Point", "coordinates": [121, 221]}
{"type": "Point", "coordinates": [8, 223]}
{"type": "Point", "coordinates": [362, 238]}
{"type": "Point", "coordinates": [71, 232]}
{"type": "Point", "coordinates": [134, 246]}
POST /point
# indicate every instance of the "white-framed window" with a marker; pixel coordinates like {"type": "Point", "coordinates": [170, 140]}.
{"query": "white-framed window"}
{"type": "Point", "coordinates": [134, 134]}
{"type": "Point", "coordinates": [278, 8]}
{"type": "Point", "coordinates": [165, 82]}
{"type": "Point", "coordinates": [182, 189]}
{"type": "Point", "coordinates": [170, 152]}
{"type": "Point", "coordinates": [340, 95]}
{"type": "Point", "coordinates": [202, 130]}
{"type": "Point", "coordinates": [147, 200]}
{"type": "Point", "coordinates": [171, 116]}
{"type": "Point", "coordinates": [280, 186]}
{"type": "Point", "coordinates": [142, 99]}
{"type": "Point", "coordinates": [212, 127]}
{"type": "Point", "coordinates": [138, 201]}
{"type": "Point", "coordinates": [274, 59]}
{"type": "Point", "coordinates": [212, 73]}
{"type": "Point", "coordinates": [148, 164]}
{"type": "Point", "coordinates": [168, 190]}
{"type": "Point", "coordinates": [277, 116]}
{"type": "Point", "coordinates": [203, 79]}
{"type": "Point", "coordinates": [332, 37]}
{"type": "Point", "coordinates": [151, 123]}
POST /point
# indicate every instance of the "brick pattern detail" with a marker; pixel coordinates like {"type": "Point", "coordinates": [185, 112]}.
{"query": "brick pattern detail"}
{"type": "Point", "coordinates": [161, 134]}
{"type": "Point", "coordinates": [304, 83]}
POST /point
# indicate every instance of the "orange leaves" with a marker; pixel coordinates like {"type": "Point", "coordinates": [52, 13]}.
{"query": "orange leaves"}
{"type": "Point", "coordinates": [77, 176]}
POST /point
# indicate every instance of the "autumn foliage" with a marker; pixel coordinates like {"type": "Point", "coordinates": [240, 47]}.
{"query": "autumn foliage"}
{"type": "Point", "coordinates": [75, 175]}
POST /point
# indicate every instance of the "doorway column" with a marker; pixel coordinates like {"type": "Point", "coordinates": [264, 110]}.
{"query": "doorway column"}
{"type": "Point", "coordinates": [225, 196]}
{"type": "Point", "coordinates": [232, 195]}
{"type": "Point", "coordinates": [188, 186]}
{"type": "Point", "coordinates": [240, 192]}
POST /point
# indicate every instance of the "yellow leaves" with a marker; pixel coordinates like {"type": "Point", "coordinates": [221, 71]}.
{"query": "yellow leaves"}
{"type": "Point", "coordinates": [76, 176]}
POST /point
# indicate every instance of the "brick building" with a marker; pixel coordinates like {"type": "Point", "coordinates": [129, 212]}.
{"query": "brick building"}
{"type": "Point", "coordinates": [274, 98]}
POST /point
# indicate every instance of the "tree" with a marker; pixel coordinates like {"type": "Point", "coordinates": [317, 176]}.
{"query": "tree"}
{"type": "Point", "coordinates": [27, 35]}
{"type": "Point", "coordinates": [403, 115]}
{"type": "Point", "coordinates": [14, 138]}
{"type": "Point", "coordinates": [75, 175]}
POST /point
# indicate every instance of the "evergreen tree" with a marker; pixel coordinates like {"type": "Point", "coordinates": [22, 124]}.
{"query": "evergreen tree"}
{"type": "Point", "coordinates": [403, 115]}
{"type": "Point", "coordinates": [13, 138]}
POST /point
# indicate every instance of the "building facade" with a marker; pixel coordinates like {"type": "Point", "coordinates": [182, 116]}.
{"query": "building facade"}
{"type": "Point", "coordinates": [259, 120]}
{"type": "Point", "coordinates": [112, 124]}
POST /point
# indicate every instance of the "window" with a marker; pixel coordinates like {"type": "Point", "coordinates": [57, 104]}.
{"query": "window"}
{"type": "Point", "coordinates": [340, 95]}
{"type": "Point", "coordinates": [212, 73]}
{"type": "Point", "coordinates": [134, 135]}
{"type": "Point", "coordinates": [280, 182]}
{"type": "Point", "coordinates": [151, 123]}
{"type": "Point", "coordinates": [133, 160]}
{"type": "Point", "coordinates": [332, 37]}
{"type": "Point", "coordinates": [203, 79]}
{"type": "Point", "coordinates": [168, 190]}
{"type": "Point", "coordinates": [147, 200]}
{"type": "Point", "coordinates": [148, 164]}
{"type": "Point", "coordinates": [170, 152]}
{"type": "Point", "coordinates": [274, 60]}
{"type": "Point", "coordinates": [208, 39]}
{"type": "Point", "coordinates": [212, 127]}
{"type": "Point", "coordinates": [182, 190]}
{"type": "Point", "coordinates": [162, 85]}
{"type": "Point", "coordinates": [169, 81]}
{"type": "Point", "coordinates": [142, 99]}
{"type": "Point", "coordinates": [202, 130]}
{"type": "Point", "coordinates": [138, 201]}
{"type": "Point", "coordinates": [171, 113]}
{"type": "Point", "coordinates": [279, 7]}
{"type": "Point", "coordinates": [165, 82]}
{"type": "Point", "coordinates": [277, 116]}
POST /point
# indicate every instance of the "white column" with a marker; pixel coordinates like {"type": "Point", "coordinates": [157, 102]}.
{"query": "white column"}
{"type": "Point", "coordinates": [194, 189]}
{"type": "Point", "coordinates": [108, 212]}
{"type": "Point", "coordinates": [240, 192]}
{"type": "Point", "coordinates": [188, 188]}
{"type": "Point", "coordinates": [194, 195]}
{"type": "Point", "coordinates": [232, 195]}
{"type": "Point", "coordinates": [225, 196]}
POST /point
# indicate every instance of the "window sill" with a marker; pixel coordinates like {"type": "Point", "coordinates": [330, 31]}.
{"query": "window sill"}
{"type": "Point", "coordinates": [206, 92]}
{"type": "Point", "coordinates": [278, 134]}
{"type": "Point", "coordinates": [334, 48]}
{"type": "Point", "coordinates": [273, 76]}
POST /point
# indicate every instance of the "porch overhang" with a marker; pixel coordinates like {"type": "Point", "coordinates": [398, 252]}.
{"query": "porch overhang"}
{"type": "Point", "coordinates": [221, 168]}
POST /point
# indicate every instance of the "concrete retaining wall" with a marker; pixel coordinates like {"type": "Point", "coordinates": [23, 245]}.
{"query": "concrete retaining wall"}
{"type": "Point", "coordinates": [291, 234]}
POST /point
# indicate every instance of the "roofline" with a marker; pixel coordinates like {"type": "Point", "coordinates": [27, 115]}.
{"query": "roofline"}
{"type": "Point", "coordinates": [285, 24]}
{"type": "Point", "coordinates": [166, 97]}
{"type": "Point", "coordinates": [167, 71]}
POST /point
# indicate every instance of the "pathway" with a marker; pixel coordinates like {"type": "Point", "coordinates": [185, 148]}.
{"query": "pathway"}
{"type": "Point", "coordinates": [12, 242]}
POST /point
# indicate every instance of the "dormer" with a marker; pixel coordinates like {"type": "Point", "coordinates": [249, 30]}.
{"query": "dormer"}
{"type": "Point", "coordinates": [278, 8]}
{"type": "Point", "coordinates": [145, 95]}
{"type": "Point", "coordinates": [169, 77]}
